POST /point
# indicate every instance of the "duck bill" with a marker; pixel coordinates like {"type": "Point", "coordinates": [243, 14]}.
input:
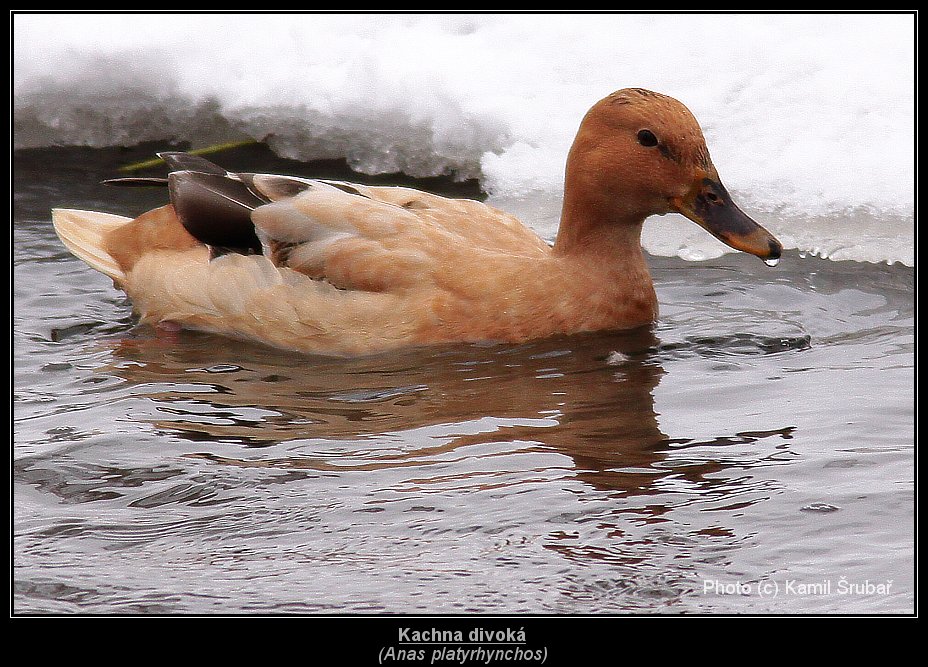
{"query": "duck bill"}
{"type": "Point", "coordinates": [709, 205]}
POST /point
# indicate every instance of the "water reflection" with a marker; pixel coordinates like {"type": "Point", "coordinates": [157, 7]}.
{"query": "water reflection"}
{"type": "Point", "coordinates": [589, 398]}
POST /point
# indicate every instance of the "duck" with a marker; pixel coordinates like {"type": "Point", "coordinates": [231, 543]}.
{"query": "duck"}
{"type": "Point", "coordinates": [336, 268]}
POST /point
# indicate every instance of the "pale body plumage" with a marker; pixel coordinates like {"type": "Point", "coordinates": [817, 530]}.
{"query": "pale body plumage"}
{"type": "Point", "coordinates": [356, 269]}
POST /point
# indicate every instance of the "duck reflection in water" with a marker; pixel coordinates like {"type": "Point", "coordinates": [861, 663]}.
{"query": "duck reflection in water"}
{"type": "Point", "coordinates": [588, 397]}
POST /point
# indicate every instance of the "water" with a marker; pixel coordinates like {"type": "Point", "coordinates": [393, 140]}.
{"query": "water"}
{"type": "Point", "coordinates": [755, 444]}
{"type": "Point", "coordinates": [752, 452]}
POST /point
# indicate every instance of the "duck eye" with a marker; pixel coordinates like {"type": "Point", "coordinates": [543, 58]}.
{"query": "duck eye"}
{"type": "Point", "coordinates": [647, 138]}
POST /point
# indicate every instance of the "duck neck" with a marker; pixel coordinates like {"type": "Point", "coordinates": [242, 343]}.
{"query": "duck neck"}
{"type": "Point", "coordinates": [600, 251]}
{"type": "Point", "coordinates": [593, 225]}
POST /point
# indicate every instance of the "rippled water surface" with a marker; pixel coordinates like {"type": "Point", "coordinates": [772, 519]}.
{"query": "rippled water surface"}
{"type": "Point", "coordinates": [754, 446]}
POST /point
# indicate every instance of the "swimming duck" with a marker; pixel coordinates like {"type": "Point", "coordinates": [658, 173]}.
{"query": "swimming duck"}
{"type": "Point", "coordinates": [328, 267]}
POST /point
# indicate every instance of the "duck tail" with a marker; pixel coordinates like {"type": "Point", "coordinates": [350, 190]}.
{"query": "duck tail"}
{"type": "Point", "coordinates": [84, 233]}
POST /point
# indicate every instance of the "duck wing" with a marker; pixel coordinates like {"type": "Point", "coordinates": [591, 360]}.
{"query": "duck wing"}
{"type": "Point", "coordinates": [213, 204]}
{"type": "Point", "coordinates": [379, 239]}
{"type": "Point", "coordinates": [352, 236]}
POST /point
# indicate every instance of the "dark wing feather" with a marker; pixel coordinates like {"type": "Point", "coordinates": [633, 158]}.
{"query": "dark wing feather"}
{"type": "Point", "coordinates": [216, 209]}
{"type": "Point", "coordinates": [179, 161]}
{"type": "Point", "coordinates": [215, 205]}
{"type": "Point", "coordinates": [137, 182]}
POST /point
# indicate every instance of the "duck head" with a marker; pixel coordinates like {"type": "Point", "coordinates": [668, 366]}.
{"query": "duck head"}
{"type": "Point", "coordinates": [640, 153]}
